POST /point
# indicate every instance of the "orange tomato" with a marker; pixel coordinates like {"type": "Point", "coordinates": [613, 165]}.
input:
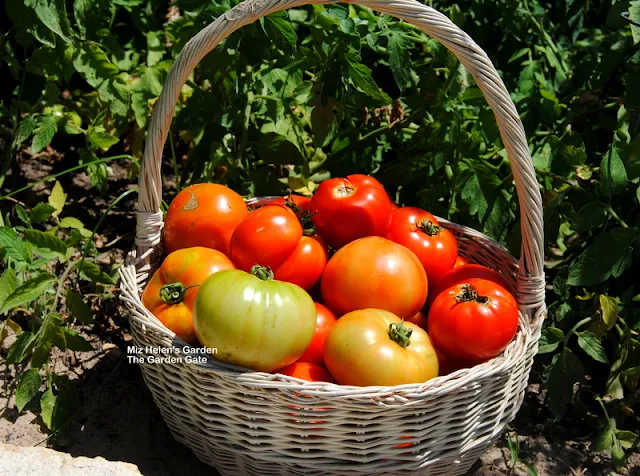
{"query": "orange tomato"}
{"type": "Point", "coordinates": [205, 215]}
{"type": "Point", "coordinates": [460, 261]}
{"type": "Point", "coordinates": [172, 290]}
{"type": "Point", "coordinates": [374, 272]}
{"type": "Point", "coordinates": [324, 322]}
{"type": "Point", "coordinates": [307, 371]}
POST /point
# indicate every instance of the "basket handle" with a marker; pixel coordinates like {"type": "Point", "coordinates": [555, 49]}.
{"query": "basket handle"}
{"type": "Point", "coordinates": [530, 286]}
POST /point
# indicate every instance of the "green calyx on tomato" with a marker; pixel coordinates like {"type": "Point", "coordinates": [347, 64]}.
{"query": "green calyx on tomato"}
{"type": "Point", "coordinates": [469, 293]}
{"type": "Point", "coordinates": [428, 227]}
{"type": "Point", "coordinates": [400, 334]}
{"type": "Point", "coordinates": [263, 272]}
{"type": "Point", "coordinates": [173, 293]}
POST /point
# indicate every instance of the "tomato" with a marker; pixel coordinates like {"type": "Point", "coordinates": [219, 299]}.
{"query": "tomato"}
{"type": "Point", "coordinates": [375, 347]}
{"type": "Point", "coordinates": [350, 208]}
{"type": "Point", "coordinates": [297, 203]}
{"type": "Point", "coordinates": [273, 236]}
{"type": "Point", "coordinates": [463, 273]}
{"type": "Point", "coordinates": [473, 320]}
{"type": "Point", "coordinates": [374, 272]}
{"type": "Point", "coordinates": [460, 261]}
{"type": "Point", "coordinates": [418, 230]}
{"type": "Point", "coordinates": [204, 214]}
{"type": "Point", "coordinates": [449, 365]}
{"type": "Point", "coordinates": [252, 320]}
{"type": "Point", "coordinates": [419, 320]}
{"type": "Point", "coordinates": [307, 371]}
{"type": "Point", "coordinates": [172, 289]}
{"type": "Point", "coordinates": [324, 322]}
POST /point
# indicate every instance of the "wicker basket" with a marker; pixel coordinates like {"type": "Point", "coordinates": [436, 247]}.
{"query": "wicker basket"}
{"type": "Point", "coordinates": [250, 423]}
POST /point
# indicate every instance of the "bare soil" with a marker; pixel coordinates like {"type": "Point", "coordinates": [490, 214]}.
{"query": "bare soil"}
{"type": "Point", "coordinates": [116, 417]}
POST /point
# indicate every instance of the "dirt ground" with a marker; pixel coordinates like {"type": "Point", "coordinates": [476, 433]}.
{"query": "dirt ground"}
{"type": "Point", "coordinates": [116, 417]}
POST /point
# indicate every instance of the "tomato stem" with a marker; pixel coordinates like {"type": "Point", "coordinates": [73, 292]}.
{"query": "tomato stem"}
{"type": "Point", "coordinates": [263, 272]}
{"type": "Point", "coordinates": [289, 202]}
{"type": "Point", "coordinates": [428, 227]}
{"type": "Point", "coordinates": [400, 334]}
{"type": "Point", "coordinates": [308, 228]}
{"type": "Point", "coordinates": [174, 293]}
{"type": "Point", "coordinates": [469, 293]}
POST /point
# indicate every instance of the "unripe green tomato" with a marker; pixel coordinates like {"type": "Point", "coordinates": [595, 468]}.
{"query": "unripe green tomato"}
{"type": "Point", "coordinates": [252, 322]}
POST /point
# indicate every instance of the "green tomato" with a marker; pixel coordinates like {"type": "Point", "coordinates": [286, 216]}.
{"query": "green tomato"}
{"type": "Point", "coordinates": [252, 320]}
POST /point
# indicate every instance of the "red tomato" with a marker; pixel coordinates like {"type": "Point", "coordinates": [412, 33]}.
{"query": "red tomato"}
{"type": "Point", "coordinates": [324, 322]}
{"type": "Point", "coordinates": [307, 371]}
{"type": "Point", "coordinates": [449, 365]}
{"type": "Point", "coordinates": [298, 203]}
{"type": "Point", "coordinates": [460, 261]}
{"type": "Point", "coordinates": [350, 208]}
{"type": "Point", "coordinates": [474, 320]}
{"type": "Point", "coordinates": [205, 215]}
{"type": "Point", "coordinates": [171, 292]}
{"type": "Point", "coordinates": [376, 273]}
{"type": "Point", "coordinates": [272, 236]}
{"type": "Point", "coordinates": [463, 273]}
{"type": "Point", "coordinates": [418, 230]}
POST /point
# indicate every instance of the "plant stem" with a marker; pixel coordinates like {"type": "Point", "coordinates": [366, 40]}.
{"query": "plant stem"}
{"type": "Point", "coordinates": [575, 328]}
{"type": "Point", "coordinates": [72, 169]}
{"type": "Point", "coordinates": [615, 216]}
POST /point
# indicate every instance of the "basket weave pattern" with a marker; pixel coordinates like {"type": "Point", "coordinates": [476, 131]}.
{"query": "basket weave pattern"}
{"type": "Point", "coordinates": [251, 423]}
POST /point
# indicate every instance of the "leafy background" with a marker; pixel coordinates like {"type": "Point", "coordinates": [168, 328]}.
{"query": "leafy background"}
{"type": "Point", "coordinates": [315, 92]}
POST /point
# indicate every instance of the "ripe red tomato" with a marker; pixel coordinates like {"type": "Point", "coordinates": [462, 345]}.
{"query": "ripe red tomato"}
{"type": "Point", "coordinates": [204, 214]}
{"type": "Point", "coordinates": [350, 208]}
{"type": "Point", "coordinates": [460, 261]}
{"type": "Point", "coordinates": [374, 272]}
{"type": "Point", "coordinates": [474, 320]}
{"type": "Point", "coordinates": [298, 203]}
{"type": "Point", "coordinates": [462, 274]}
{"type": "Point", "coordinates": [307, 371]}
{"type": "Point", "coordinates": [324, 322]}
{"type": "Point", "coordinates": [375, 347]}
{"type": "Point", "coordinates": [418, 230]}
{"type": "Point", "coordinates": [273, 236]}
{"type": "Point", "coordinates": [171, 292]}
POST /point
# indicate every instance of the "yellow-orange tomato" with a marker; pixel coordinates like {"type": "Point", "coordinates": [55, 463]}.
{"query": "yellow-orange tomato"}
{"type": "Point", "coordinates": [172, 290]}
{"type": "Point", "coordinates": [375, 347]}
{"type": "Point", "coordinates": [374, 272]}
{"type": "Point", "coordinates": [205, 214]}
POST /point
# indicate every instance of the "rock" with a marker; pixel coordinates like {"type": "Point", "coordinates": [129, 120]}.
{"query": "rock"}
{"type": "Point", "coordinates": [32, 461]}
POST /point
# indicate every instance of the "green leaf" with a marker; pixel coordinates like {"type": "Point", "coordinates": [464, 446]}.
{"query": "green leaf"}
{"type": "Point", "coordinates": [608, 256]}
{"type": "Point", "coordinates": [148, 86]}
{"type": "Point", "coordinates": [634, 15]}
{"type": "Point", "coordinates": [45, 131]}
{"type": "Point", "coordinates": [278, 29]}
{"type": "Point", "coordinates": [28, 387]}
{"type": "Point", "coordinates": [8, 284]}
{"type": "Point", "coordinates": [550, 340]}
{"type": "Point", "coordinates": [47, 407]}
{"type": "Point", "coordinates": [75, 341]}
{"type": "Point", "coordinates": [618, 456]}
{"type": "Point", "coordinates": [53, 14]}
{"type": "Point", "coordinates": [609, 310]}
{"type": "Point", "coordinates": [399, 60]}
{"type": "Point", "coordinates": [78, 308]}
{"type": "Point", "coordinates": [13, 245]}
{"type": "Point", "coordinates": [360, 75]}
{"type": "Point", "coordinates": [613, 175]}
{"type": "Point", "coordinates": [71, 222]}
{"type": "Point", "coordinates": [41, 213]}
{"type": "Point", "coordinates": [28, 291]}
{"type": "Point", "coordinates": [91, 15]}
{"type": "Point", "coordinates": [57, 199]}
{"type": "Point", "coordinates": [46, 244]}
{"type": "Point", "coordinates": [25, 19]}
{"type": "Point", "coordinates": [626, 438]}
{"type": "Point", "coordinates": [26, 128]}
{"type": "Point", "coordinates": [604, 441]}
{"type": "Point", "coordinates": [93, 273]}
{"type": "Point", "coordinates": [590, 217]}
{"type": "Point", "coordinates": [101, 139]}
{"type": "Point", "coordinates": [277, 149]}
{"type": "Point", "coordinates": [565, 370]}
{"type": "Point", "coordinates": [50, 332]}
{"type": "Point", "coordinates": [591, 345]}
{"type": "Point", "coordinates": [155, 47]}
{"type": "Point", "coordinates": [324, 122]}
{"type": "Point", "coordinates": [21, 348]}
{"type": "Point", "coordinates": [21, 213]}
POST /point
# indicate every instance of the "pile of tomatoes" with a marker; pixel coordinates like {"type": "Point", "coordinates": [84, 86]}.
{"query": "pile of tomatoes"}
{"type": "Point", "coordinates": [343, 287]}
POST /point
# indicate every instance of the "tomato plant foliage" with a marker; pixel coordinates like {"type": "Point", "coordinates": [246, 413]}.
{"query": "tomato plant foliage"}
{"type": "Point", "coordinates": [323, 91]}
